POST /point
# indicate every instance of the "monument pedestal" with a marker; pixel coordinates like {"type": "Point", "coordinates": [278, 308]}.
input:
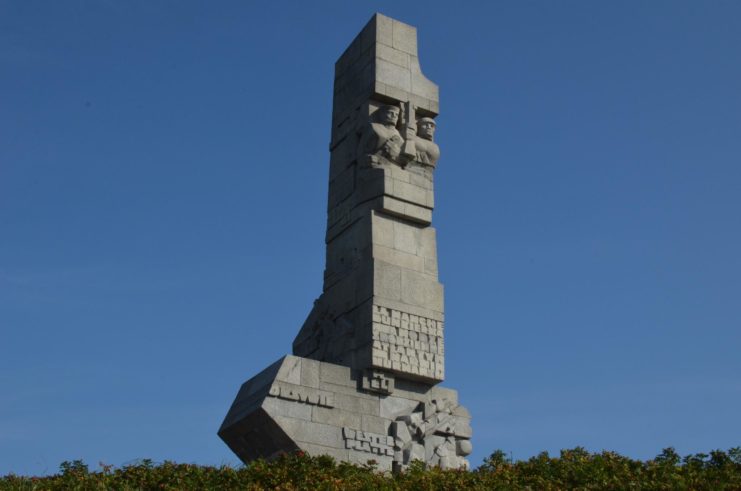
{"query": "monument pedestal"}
{"type": "Point", "coordinates": [323, 408]}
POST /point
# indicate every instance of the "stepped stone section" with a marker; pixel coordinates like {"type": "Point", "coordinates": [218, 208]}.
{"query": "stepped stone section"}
{"type": "Point", "coordinates": [361, 383]}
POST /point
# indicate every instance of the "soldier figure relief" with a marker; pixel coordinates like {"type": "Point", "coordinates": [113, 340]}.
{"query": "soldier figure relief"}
{"type": "Point", "coordinates": [381, 141]}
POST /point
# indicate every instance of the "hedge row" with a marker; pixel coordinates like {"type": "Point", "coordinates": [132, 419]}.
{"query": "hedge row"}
{"type": "Point", "coordinates": [574, 469]}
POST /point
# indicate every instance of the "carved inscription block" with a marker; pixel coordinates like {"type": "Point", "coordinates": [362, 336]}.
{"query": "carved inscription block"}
{"type": "Point", "coordinates": [365, 441]}
{"type": "Point", "coordinates": [307, 395]}
{"type": "Point", "coordinates": [377, 381]}
{"type": "Point", "coordinates": [408, 344]}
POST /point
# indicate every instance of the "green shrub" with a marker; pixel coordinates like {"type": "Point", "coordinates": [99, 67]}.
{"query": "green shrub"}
{"type": "Point", "coordinates": [574, 469]}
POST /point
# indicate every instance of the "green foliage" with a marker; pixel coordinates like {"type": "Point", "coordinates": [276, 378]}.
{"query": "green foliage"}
{"type": "Point", "coordinates": [573, 469]}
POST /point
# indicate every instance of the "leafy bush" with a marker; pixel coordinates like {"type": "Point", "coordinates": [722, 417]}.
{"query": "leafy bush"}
{"type": "Point", "coordinates": [574, 469]}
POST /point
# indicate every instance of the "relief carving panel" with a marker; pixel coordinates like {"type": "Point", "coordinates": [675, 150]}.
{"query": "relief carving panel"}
{"type": "Point", "coordinates": [307, 395]}
{"type": "Point", "coordinates": [365, 441]}
{"type": "Point", "coordinates": [408, 343]}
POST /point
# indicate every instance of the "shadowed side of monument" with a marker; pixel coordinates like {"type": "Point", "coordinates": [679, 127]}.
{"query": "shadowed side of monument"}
{"type": "Point", "coordinates": [361, 383]}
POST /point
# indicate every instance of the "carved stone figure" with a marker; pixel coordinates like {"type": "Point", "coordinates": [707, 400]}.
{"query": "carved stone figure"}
{"type": "Point", "coordinates": [381, 138]}
{"type": "Point", "coordinates": [427, 150]}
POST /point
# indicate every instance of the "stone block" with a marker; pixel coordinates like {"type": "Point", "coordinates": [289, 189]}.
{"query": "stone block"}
{"type": "Point", "coordinates": [428, 244]}
{"type": "Point", "coordinates": [314, 433]}
{"type": "Point", "coordinates": [339, 218]}
{"type": "Point", "coordinates": [410, 309]}
{"type": "Point", "coordinates": [287, 408]}
{"type": "Point", "coordinates": [388, 183]}
{"type": "Point", "coordinates": [371, 183]}
{"type": "Point", "coordinates": [364, 339]}
{"type": "Point", "coordinates": [393, 55]}
{"type": "Point", "coordinates": [432, 442]}
{"type": "Point", "coordinates": [344, 150]}
{"type": "Point", "coordinates": [400, 431]}
{"type": "Point", "coordinates": [358, 405]}
{"type": "Point", "coordinates": [431, 267]}
{"type": "Point", "coordinates": [261, 380]}
{"type": "Point", "coordinates": [440, 392]}
{"type": "Point", "coordinates": [364, 284]}
{"type": "Point", "coordinates": [392, 206]}
{"type": "Point", "coordinates": [336, 374]}
{"type": "Point", "coordinates": [406, 237]}
{"type": "Point", "coordinates": [384, 29]}
{"type": "Point", "coordinates": [417, 213]}
{"type": "Point", "coordinates": [251, 393]}
{"type": "Point", "coordinates": [399, 258]}
{"type": "Point", "coordinates": [464, 447]}
{"type": "Point", "coordinates": [241, 408]}
{"type": "Point", "coordinates": [411, 193]}
{"type": "Point", "coordinates": [404, 38]}
{"type": "Point", "coordinates": [256, 435]}
{"type": "Point", "coordinates": [375, 424]}
{"type": "Point", "coordinates": [416, 452]}
{"type": "Point", "coordinates": [335, 417]}
{"type": "Point", "coordinates": [398, 174]}
{"type": "Point", "coordinates": [351, 391]}
{"type": "Point", "coordinates": [341, 187]}
{"type": "Point", "coordinates": [393, 75]}
{"type": "Point", "coordinates": [420, 290]}
{"type": "Point", "coordinates": [391, 91]}
{"type": "Point", "coordinates": [415, 390]}
{"type": "Point", "coordinates": [290, 370]}
{"type": "Point", "coordinates": [409, 211]}
{"type": "Point", "coordinates": [463, 427]}
{"type": "Point", "coordinates": [345, 254]}
{"type": "Point", "coordinates": [391, 407]}
{"type": "Point", "coordinates": [383, 230]}
{"type": "Point", "coordinates": [387, 280]}
{"type": "Point", "coordinates": [461, 411]}
{"type": "Point", "coordinates": [421, 179]}
{"type": "Point", "coordinates": [310, 373]}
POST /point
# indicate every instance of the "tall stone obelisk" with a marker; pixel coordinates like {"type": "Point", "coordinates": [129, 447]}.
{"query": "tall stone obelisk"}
{"type": "Point", "coordinates": [361, 383]}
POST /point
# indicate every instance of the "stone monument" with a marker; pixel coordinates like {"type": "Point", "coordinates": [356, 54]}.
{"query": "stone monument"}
{"type": "Point", "coordinates": [362, 381]}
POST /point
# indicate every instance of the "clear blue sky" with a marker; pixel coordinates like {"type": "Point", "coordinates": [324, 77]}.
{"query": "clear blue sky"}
{"type": "Point", "coordinates": [163, 173]}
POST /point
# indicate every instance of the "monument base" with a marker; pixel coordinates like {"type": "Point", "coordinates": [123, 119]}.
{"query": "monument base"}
{"type": "Point", "coordinates": [322, 408]}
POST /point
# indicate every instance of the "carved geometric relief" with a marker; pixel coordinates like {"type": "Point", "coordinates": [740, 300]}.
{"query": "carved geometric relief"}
{"type": "Point", "coordinates": [408, 343]}
{"type": "Point", "coordinates": [378, 381]}
{"type": "Point", "coordinates": [433, 433]}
